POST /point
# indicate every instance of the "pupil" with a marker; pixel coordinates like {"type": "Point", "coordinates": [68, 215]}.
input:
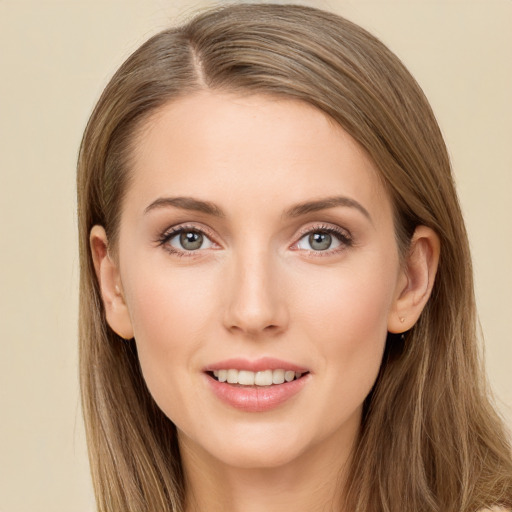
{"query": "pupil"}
{"type": "Point", "coordinates": [191, 240]}
{"type": "Point", "coordinates": [320, 241]}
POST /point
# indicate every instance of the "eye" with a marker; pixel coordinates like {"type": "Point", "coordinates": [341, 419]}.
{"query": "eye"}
{"type": "Point", "coordinates": [323, 239]}
{"type": "Point", "coordinates": [318, 241]}
{"type": "Point", "coordinates": [186, 239]}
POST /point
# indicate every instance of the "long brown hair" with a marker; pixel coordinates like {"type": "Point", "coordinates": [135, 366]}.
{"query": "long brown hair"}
{"type": "Point", "coordinates": [430, 439]}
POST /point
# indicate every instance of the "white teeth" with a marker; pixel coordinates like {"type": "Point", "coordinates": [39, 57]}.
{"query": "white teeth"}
{"type": "Point", "coordinates": [246, 378]}
{"type": "Point", "coordinates": [232, 376]}
{"type": "Point", "coordinates": [262, 378]}
{"type": "Point", "coordinates": [289, 376]}
{"type": "Point", "coordinates": [278, 376]}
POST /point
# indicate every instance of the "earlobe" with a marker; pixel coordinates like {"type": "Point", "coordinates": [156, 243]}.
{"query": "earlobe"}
{"type": "Point", "coordinates": [416, 281]}
{"type": "Point", "coordinates": [109, 280]}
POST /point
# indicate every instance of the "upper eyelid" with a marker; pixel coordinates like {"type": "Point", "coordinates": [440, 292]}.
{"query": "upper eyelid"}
{"type": "Point", "coordinates": [172, 231]}
{"type": "Point", "coordinates": [324, 227]}
{"type": "Point", "coordinates": [343, 235]}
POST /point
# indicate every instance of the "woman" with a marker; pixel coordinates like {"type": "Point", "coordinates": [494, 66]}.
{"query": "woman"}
{"type": "Point", "coordinates": [277, 303]}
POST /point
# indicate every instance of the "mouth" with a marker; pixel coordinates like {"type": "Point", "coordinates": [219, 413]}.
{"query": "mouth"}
{"type": "Point", "coordinates": [256, 386]}
{"type": "Point", "coordinates": [264, 378]}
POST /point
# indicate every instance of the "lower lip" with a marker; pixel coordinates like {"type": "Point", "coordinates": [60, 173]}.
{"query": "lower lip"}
{"type": "Point", "coordinates": [256, 398]}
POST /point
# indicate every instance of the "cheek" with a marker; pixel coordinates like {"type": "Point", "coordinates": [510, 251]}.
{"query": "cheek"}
{"type": "Point", "coordinates": [163, 300]}
{"type": "Point", "coordinates": [169, 313]}
{"type": "Point", "coordinates": [346, 315]}
{"type": "Point", "coordinates": [349, 303]}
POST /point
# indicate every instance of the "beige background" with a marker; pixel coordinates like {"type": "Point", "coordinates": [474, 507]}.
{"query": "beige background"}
{"type": "Point", "coordinates": [55, 58]}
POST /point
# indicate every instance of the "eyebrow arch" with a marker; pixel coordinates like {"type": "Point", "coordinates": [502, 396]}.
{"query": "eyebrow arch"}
{"type": "Point", "coordinates": [323, 204]}
{"type": "Point", "coordinates": [189, 203]}
{"type": "Point", "coordinates": [186, 203]}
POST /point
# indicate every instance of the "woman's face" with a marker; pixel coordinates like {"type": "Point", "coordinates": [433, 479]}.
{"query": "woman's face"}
{"type": "Point", "coordinates": [256, 241]}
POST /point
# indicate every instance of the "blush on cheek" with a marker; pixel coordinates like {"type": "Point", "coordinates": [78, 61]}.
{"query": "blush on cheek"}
{"type": "Point", "coordinates": [353, 321]}
{"type": "Point", "coordinates": [169, 321]}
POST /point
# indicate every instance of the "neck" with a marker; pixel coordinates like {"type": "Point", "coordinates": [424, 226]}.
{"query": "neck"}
{"type": "Point", "coordinates": [312, 482]}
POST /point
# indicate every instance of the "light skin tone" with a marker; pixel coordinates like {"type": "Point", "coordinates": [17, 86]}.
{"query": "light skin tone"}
{"type": "Point", "coordinates": [256, 227]}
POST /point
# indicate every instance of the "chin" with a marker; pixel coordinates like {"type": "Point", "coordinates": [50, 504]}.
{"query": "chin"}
{"type": "Point", "coordinates": [250, 448]}
{"type": "Point", "coordinates": [264, 456]}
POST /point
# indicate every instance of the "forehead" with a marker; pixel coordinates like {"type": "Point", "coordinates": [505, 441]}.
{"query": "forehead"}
{"type": "Point", "coordinates": [270, 151]}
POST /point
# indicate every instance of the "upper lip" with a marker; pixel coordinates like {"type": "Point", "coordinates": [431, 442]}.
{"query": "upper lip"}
{"type": "Point", "coordinates": [256, 365]}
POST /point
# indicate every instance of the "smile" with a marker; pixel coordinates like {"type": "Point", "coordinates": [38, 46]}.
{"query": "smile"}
{"type": "Point", "coordinates": [260, 378]}
{"type": "Point", "coordinates": [256, 386]}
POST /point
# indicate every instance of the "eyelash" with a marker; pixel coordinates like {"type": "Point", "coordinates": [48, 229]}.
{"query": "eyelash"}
{"type": "Point", "coordinates": [177, 230]}
{"type": "Point", "coordinates": [341, 235]}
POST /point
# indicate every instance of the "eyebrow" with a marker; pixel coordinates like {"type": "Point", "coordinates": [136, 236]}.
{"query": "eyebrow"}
{"type": "Point", "coordinates": [189, 203]}
{"type": "Point", "coordinates": [324, 204]}
{"type": "Point", "coordinates": [186, 203]}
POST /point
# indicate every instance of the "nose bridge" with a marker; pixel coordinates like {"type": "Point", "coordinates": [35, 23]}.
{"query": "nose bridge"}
{"type": "Point", "coordinates": [255, 304]}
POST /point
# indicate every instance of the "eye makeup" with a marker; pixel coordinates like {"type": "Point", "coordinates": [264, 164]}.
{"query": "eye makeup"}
{"type": "Point", "coordinates": [323, 240]}
{"type": "Point", "coordinates": [188, 240]}
{"type": "Point", "coordinates": [193, 239]}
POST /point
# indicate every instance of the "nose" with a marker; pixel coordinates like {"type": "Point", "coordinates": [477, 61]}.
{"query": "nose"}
{"type": "Point", "coordinates": [255, 302]}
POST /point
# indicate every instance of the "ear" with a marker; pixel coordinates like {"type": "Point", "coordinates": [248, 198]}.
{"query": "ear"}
{"type": "Point", "coordinates": [416, 280]}
{"type": "Point", "coordinates": [109, 280]}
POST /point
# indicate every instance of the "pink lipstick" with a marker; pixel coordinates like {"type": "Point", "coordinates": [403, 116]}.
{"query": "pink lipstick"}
{"type": "Point", "coordinates": [255, 386]}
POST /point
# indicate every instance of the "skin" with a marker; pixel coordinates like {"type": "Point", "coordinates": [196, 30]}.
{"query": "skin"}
{"type": "Point", "coordinates": [257, 287]}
